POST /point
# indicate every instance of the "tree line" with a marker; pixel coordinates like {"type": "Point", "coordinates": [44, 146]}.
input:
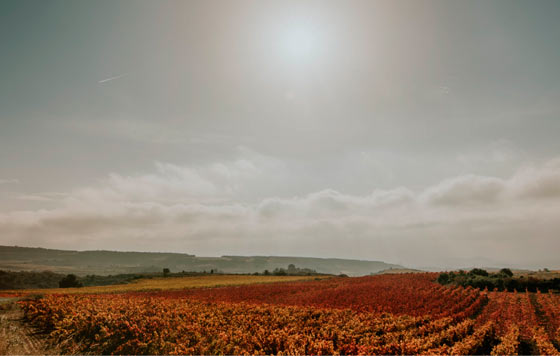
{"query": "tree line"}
{"type": "Point", "coordinates": [502, 280]}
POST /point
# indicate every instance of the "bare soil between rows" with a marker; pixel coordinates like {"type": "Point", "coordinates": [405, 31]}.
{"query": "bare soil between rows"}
{"type": "Point", "coordinates": [16, 336]}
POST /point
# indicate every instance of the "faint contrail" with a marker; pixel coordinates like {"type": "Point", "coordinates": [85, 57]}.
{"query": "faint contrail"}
{"type": "Point", "coordinates": [111, 78]}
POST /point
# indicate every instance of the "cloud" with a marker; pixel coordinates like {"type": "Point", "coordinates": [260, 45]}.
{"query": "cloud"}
{"type": "Point", "coordinates": [444, 90]}
{"type": "Point", "coordinates": [34, 197]}
{"type": "Point", "coordinates": [197, 209]}
{"type": "Point", "coordinates": [168, 132]}
{"type": "Point", "coordinates": [171, 183]}
{"type": "Point", "coordinates": [9, 181]}
{"type": "Point", "coordinates": [468, 189]}
{"type": "Point", "coordinates": [494, 153]}
{"type": "Point", "coordinates": [537, 182]}
{"type": "Point", "coordinates": [330, 203]}
{"type": "Point", "coordinates": [529, 182]}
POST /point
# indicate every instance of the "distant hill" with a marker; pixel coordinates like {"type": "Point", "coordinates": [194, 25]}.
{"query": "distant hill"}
{"type": "Point", "coordinates": [15, 258]}
{"type": "Point", "coordinates": [400, 271]}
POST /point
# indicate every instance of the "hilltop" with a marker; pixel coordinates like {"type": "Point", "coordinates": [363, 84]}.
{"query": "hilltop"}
{"type": "Point", "coordinates": [14, 258]}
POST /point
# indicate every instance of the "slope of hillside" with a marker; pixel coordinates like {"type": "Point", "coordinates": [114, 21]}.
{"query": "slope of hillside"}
{"type": "Point", "coordinates": [112, 262]}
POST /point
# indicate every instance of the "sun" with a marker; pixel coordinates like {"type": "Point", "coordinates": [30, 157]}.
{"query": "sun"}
{"type": "Point", "coordinates": [299, 42]}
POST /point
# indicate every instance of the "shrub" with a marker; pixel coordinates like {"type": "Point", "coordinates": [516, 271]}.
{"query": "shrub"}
{"type": "Point", "coordinates": [478, 272]}
{"type": "Point", "coordinates": [443, 278]}
{"type": "Point", "coordinates": [507, 272]}
{"type": "Point", "coordinates": [70, 281]}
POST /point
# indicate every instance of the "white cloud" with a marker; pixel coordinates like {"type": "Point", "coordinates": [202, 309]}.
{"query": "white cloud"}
{"type": "Point", "coordinates": [9, 181]}
{"type": "Point", "coordinates": [32, 197]}
{"type": "Point", "coordinates": [537, 182]}
{"type": "Point", "coordinates": [171, 184]}
{"type": "Point", "coordinates": [195, 209]}
{"type": "Point", "coordinates": [494, 154]}
{"type": "Point", "coordinates": [469, 189]}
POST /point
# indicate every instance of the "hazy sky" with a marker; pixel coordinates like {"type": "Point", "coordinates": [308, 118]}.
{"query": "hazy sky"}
{"type": "Point", "coordinates": [417, 132]}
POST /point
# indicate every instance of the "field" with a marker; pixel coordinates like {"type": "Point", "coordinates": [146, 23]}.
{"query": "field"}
{"type": "Point", "coordinates": [168, 284]}
{"type": "Point", "coordinates": [385, 314]}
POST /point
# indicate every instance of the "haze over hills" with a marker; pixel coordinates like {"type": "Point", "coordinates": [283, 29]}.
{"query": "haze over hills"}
{"type": "Point", "coordinates": [16, 258]}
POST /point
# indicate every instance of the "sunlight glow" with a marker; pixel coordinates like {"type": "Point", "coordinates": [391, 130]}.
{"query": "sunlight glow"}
{"type": "Point", "coordinates": [299, 43]}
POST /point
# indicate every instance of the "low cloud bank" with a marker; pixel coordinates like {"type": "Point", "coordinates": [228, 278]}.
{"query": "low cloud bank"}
{"type": "Point", "coordinates": [459, 221]}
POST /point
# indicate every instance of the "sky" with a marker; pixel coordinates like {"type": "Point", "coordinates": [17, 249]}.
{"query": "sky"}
{"type": "Point", "coordinates": [423, 133]}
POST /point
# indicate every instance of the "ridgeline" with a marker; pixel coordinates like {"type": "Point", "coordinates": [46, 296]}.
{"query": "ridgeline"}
{"type": "Point", "coordinates": [13, 258]}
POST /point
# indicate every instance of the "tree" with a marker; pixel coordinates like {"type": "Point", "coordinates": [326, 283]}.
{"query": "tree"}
{"type": "Point", "coordinates": [443, 278]}
{"type": "Point", "coordinates": [70, 281]}
{"type": "Point", "coordinates": [292, 268]}
{"type": "Point", "coordinates": [478, 272]}
{"type": "Point", "coordinates": [507, 272]}
{"type": "Point", "coordinates": [166, 272]}
{"type": "Point", "coordinates": [266, 272]}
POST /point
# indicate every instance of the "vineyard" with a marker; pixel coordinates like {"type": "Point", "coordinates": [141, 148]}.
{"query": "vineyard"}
{"type": "Point", "coordinates": [387, 314]}
{"type": "Point", "coordinates": [169, 283]}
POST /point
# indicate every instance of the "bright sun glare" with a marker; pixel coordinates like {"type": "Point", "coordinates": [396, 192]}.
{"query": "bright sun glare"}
{"type": "Point", "coordinates": [299, 43]}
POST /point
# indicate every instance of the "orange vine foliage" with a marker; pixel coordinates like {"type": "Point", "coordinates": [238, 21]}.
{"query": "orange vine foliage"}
{"type": "Point", "coordinates": [388, 314]}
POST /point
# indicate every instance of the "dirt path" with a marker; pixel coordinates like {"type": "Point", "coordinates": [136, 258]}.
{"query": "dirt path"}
{"type": "Point", "coordinates": [17, 338]}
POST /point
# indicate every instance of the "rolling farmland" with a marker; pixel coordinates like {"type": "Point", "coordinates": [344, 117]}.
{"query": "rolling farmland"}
{"type": "Point", "coordinates": [386, 314]}
{"type": "Point", "coordinates": [170, 284]}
